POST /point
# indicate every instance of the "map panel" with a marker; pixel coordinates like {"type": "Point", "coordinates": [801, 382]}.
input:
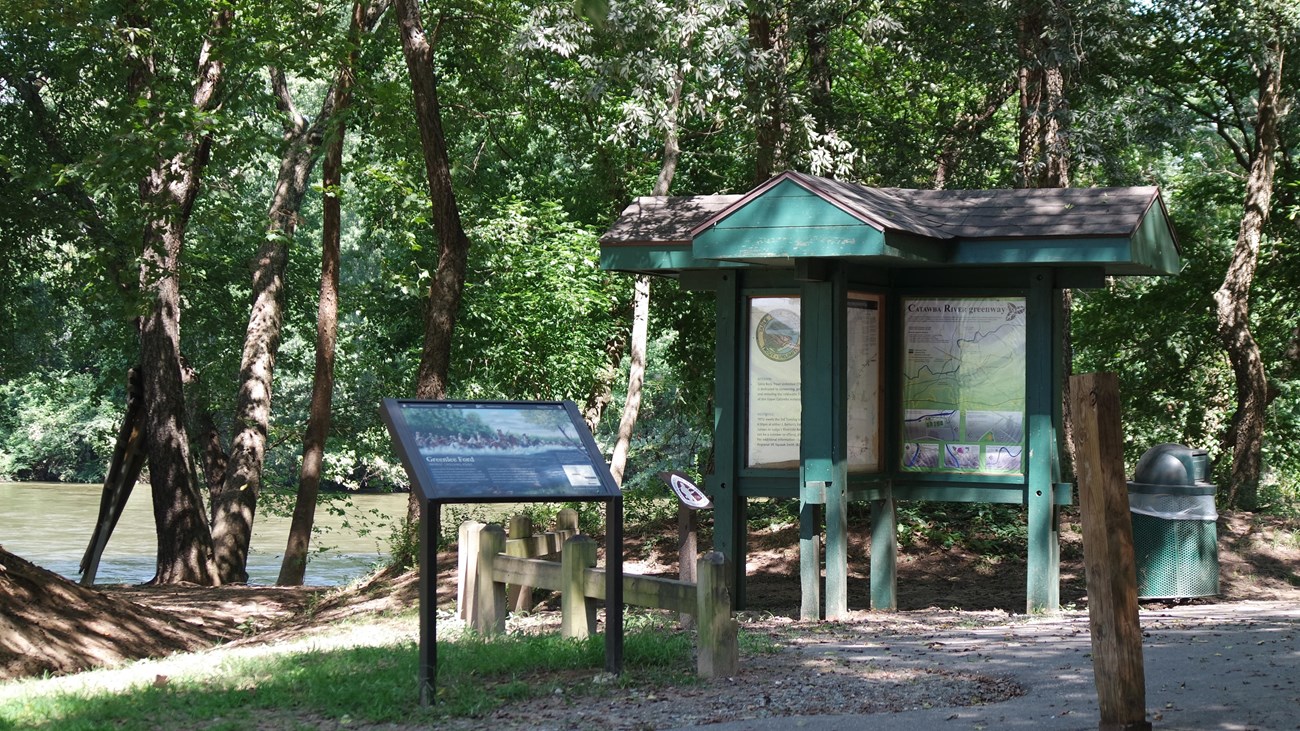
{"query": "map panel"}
{"type": "Point", "coordinates": [963, 384]}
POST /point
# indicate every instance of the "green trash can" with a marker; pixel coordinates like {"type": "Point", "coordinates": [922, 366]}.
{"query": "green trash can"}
{"type": "Point", "coordinates": [1175, 538]}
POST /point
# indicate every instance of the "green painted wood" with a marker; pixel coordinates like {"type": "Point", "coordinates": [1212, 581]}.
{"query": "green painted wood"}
{"type": "Point", "coordinates": [884, 554]}
{"type": "Point", "coordinates": [1154, 245]}
{"type": "Point", "coordinates": [657, 258]}
{"type": "Point", "coordinates": [784, 205]}
{"type": "Point", "coordinates": [817, 434]}
{"type": "Point", "coordinates": [787, 222]}
{"type": "Point", "coordinates": [1062, 494]}
{"type": "Point", "coordinates": [700, 281]}
{"type": "Point", "coordinates": [791, 242]}
{"type": "Point", "coordinates": [723, 488]}
{"type": "Point", "coordinates": [1038, 252]}
{"type": "Point", "coordinates": [961, 281]}
{"type": "Point", "coordinates": [1043, 560]}
{"type": "Point", "coordinates": [837, 494]}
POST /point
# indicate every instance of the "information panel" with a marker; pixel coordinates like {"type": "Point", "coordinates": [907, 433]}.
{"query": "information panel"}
{"type": "Point", "coordinates": [498, 450]}
{"type": "Point", "coordinates": [964, 385]}
{"type": "Point", "coordinates": [775, 401]}
{"type": "Point", "coordinates": [775, 404]}
{"type": "Point", "coordinates": [864, 382]}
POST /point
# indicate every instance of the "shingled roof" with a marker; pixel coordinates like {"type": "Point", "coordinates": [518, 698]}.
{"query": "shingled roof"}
{"type": "Point", "coordinates": [796, 215]}
{"type": "Point", "coordinates": [665, 219]}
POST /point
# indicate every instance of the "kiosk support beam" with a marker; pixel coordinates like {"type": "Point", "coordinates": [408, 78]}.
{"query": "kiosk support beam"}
{"type": "Point", "coordinates": [823, 476]}
{"type": "Point", "coordinates": [1044, 557]}
{"type": "Point", "coordinates": [884, 553]}
{"type": "Point", "coordinates": [729, 507]}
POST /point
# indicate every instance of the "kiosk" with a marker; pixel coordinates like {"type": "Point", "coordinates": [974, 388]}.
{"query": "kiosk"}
{"type": "Point", "coordinates": [886, 344]}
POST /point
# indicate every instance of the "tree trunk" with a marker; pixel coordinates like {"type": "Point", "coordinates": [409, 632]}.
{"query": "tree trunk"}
{"type": "Point", "coordinates": [234, 508]}
{"type": "Point", "coordinates": [123, 471]}
{"type": "Point", "coordinates": [1232, 300]}
{"type": "Point", "coordinates": [601, 394]}
{"type": "Point", "coordinates": [1043, 159]}
{"type": "Point", "coordinates": [641, 296]}
{"type": "Point", "coordinates": [817, 36]}
{"type": "Point", "coordinates": [453, 244]}
{"type": "Point", "coordinates": [967, 128]}
{"type": "Point", "coordinates": [294, 565]}
{"type": "Point", "coordinates": [766, 106]}
{"type": "Point", "coordinates": [635, 377]}
{"type": "Point", "coordinates": [1043, 151]}
{"type": "Point", "coordinates": [213, 458]}
{"type": "Point", "coordinates": [168, 193]}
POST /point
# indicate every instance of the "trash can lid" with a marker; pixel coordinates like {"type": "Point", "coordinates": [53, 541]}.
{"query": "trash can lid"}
{"type": "Point", "coordinates": [1170, 465]}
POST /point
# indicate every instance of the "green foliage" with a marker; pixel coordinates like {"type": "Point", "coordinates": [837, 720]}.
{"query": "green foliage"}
{"type": "Point", "coordinates": [674, 424]}
{"type": "Point", "coordinates": [990, 530]}
{"type": "Point", "coordinates": [553, 123]}
{"type": "Point", "coordinates": [58, 427]}
{"type": "Point", "coordinates": [537, 308]}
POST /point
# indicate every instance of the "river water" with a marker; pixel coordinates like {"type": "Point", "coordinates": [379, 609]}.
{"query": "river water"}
{"type": "Point", "coordinates": [49, 524]}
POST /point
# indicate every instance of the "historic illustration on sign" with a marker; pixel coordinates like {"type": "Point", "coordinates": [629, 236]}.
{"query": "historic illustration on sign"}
{"type": "Point", "coordinates": [500, 449]}
{"type": "Point", "coordinates": [964, 384]}
{"type": "Point", "coordinates": [774, 398]}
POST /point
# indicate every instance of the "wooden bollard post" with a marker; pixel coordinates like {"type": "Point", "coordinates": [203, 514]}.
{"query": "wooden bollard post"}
{"type": "Point", "coordinates": [519, 598]}
{"type": "Point", "coordinates": [688, 527]}
{"type": "Point", "coordinates": [1108, 557]}
{"type": "Point", "coordinates": [566, 519]}
{"type": "Point", "coordinates": [467, 568]}
{"type": "Point", "coordinates": [490, 608]}
{"type": "Point", "coordinates": [577, 612]}
{"type": "Point", "coordinates": [719, 648]}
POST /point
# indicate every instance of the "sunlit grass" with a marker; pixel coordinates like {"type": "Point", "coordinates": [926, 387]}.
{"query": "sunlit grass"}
{"type": "Point", "coordinates": [350, 685]}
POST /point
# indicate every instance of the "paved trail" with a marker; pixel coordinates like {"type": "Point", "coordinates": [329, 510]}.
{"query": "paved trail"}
{"type": "Point", "coordinates": [1234, 667]}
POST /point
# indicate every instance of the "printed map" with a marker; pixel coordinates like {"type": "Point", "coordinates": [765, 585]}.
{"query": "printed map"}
{"type": "Point", "coordinates": [964, 385]}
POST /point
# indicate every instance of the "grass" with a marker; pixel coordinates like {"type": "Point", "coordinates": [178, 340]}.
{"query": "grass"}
{"type": "Point", "coordinates": [349, 685]}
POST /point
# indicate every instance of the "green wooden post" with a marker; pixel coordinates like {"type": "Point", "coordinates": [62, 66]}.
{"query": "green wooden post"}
{"type": "Point", "coordinates": [1043, 590]}
{"type": "Point", "coordinates": [823, 471]}
{"type": "Point", "coordinates": [728, 505]}
{"type": "Point", "coordinates": [884, 553]}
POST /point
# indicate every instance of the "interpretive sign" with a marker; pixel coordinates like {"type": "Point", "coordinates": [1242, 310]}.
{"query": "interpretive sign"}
{"type": "Point", "coordinates": [499, 451]}
{"type": "Point", "coordinates": [774, 398]}
{"type": "Point", "coordinates": [494, 451]}
{"type": "Point", "coordinates": [964, 385]}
